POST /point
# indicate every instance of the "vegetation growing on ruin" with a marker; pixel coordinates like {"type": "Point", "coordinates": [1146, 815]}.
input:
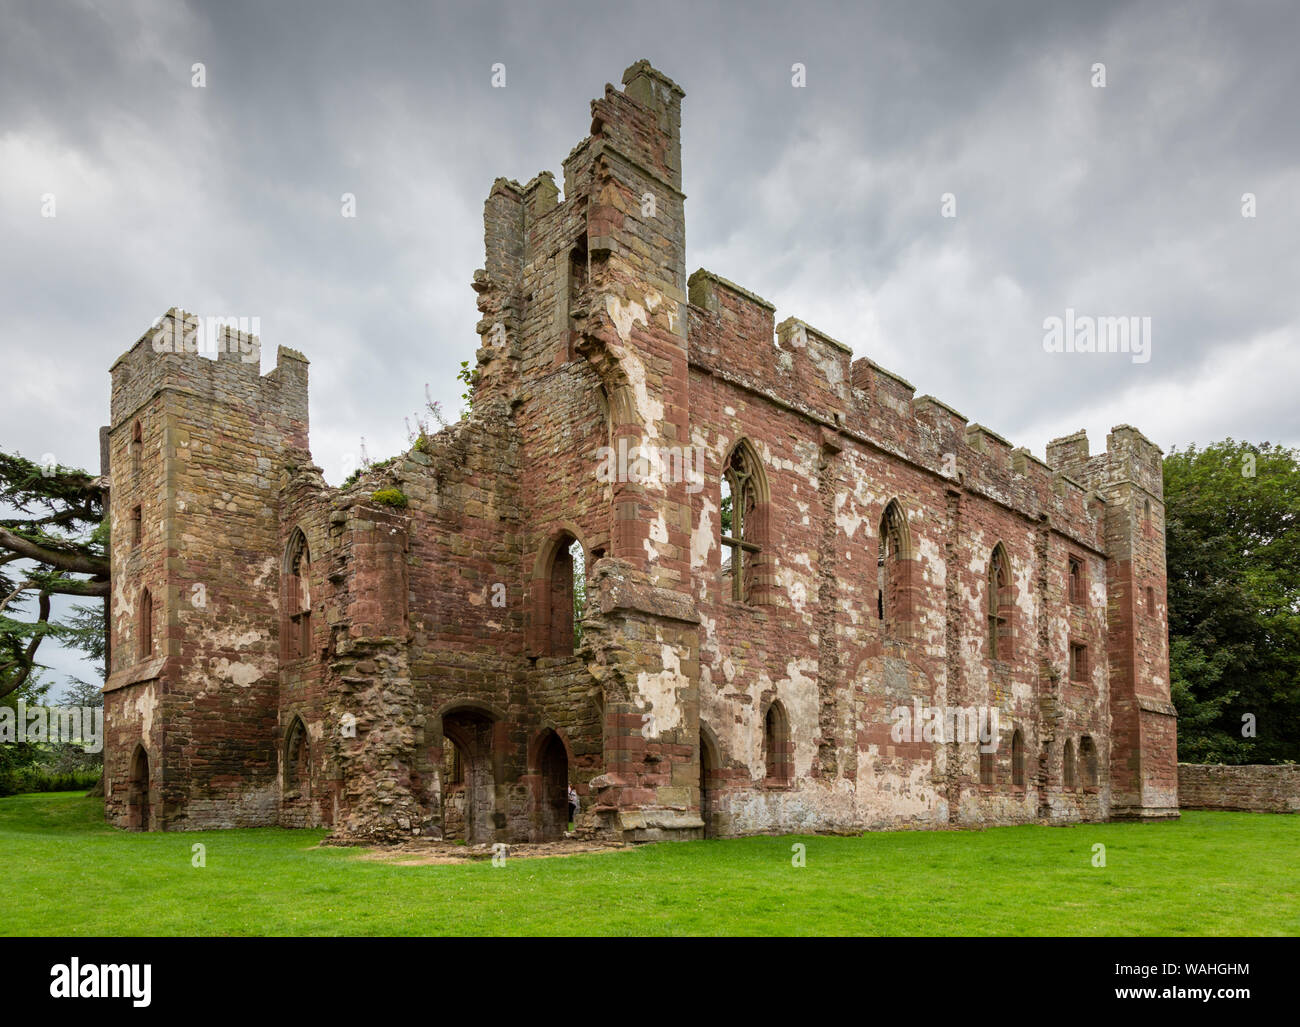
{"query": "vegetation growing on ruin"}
{"type": "Point", "coordinates": [1206, 874]}
{"type": "Point", "coordinates": [470, 379]}
{"type": "Point", "coordinates": [389, 497]}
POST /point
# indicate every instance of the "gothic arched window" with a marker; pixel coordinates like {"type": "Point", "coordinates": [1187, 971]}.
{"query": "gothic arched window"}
{"type": "Point", "coordinates": [297, 760]}
{"type": "Point", "coordinates": [1001, 605]}
{"type": "Point", "coordinates": [743, 521]}
{"type": "Point", "coordinates": [893, 572]}
{"type": "Point", "coordinates": [776, 745]}
{"type": "Point", "coordinates": [296, 630]}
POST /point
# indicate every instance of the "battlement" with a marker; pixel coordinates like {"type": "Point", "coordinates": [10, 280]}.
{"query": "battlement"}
{"type": "Point", "coordinates": [643, 122]}
{"type": "Point", "coordinates": [1129, 457]}
{"type": "Point", "coordinates": [807, 370]}
{"type": "Point", "coordinates": [172, 354]}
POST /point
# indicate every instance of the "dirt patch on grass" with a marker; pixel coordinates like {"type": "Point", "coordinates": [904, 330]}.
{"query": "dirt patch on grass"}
{"type": "Point", "coordinates": [420, 852]}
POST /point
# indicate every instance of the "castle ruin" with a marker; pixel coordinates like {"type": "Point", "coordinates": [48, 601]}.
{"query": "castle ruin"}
{"type": "Point", "coordinates": [708, 569]}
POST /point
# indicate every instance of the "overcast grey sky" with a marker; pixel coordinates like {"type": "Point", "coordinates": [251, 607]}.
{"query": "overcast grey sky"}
{"type": "Point", "coordinates": [1117, 201]}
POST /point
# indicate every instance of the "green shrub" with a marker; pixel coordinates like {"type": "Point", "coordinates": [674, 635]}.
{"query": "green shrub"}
{"type": "Point", "coordinates": [30, 779]}
{"type": "Point", "coordinates": [389, 497]}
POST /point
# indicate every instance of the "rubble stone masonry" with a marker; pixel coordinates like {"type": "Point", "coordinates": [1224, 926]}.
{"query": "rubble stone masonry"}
{"type": "Point", "coordinates": [1253, 787]}
{"type": "Point", "coordinates": [786, 550]}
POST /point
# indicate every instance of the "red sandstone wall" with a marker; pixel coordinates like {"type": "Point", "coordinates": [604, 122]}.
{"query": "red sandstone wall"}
{"type": "Point", "coordinates": [1261, 789]}
{"type": "Point", "coordinates": [837, 445]}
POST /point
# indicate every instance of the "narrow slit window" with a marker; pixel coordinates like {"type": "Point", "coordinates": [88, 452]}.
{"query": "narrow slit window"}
{"type": "Point", "coordinates": [1078, 661]}
{"type": "Point", "coordinates": [146, 624]}
{"type": "Point", "coordinates": [578, 562]}
{"type": "Point", "coordinates": [137, 448]}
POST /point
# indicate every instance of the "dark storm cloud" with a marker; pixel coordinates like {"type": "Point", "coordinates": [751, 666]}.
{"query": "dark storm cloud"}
{"type": "Point", "coordinates": [825, 200]}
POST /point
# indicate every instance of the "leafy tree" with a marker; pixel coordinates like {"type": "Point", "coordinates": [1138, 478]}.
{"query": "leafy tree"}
{"type": "Point", "coordinates": [57, 545]}
{"type": "Point", "coordinates": [1233, 552]}
{"type": "Point", "coordinates": [17, 759]}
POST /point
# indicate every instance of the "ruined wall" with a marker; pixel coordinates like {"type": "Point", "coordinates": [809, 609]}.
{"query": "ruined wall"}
{"type": "Point", "coordinates": [584, 338]}
{"type": "Point", "coordinates": [838, 441]}
{"type": "Point", "coordinates": [1256, 788]}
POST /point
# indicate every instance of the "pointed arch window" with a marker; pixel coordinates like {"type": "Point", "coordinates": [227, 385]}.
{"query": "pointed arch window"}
{"type": "Point", "coordinates": [1078, 580]}
{"type": "Point", "coordinates": [893, 572]}
{"type": "Point", "coordinates": [1001, 605]}
{"type": "Point", "coordinates": [1018, 759]}
{"type": "Point", "coordinates": [777, 760]}
{"type": "Point", "coordinates": [568, 597]}
{"type": "Point", "coordinates": [743, 522]}
{"type": "Point", "coordinates": [296, 632]}
{"type": "Point", "coordinates": [297, 761]}
{"type": "Point", "coordinates": [1068, 768]}
{"type": "Point", "coordinates": [558, 596]}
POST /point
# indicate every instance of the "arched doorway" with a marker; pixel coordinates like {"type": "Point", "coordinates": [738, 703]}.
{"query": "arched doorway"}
{"type": "Point", "coordinates": [137, 796]}
{"type": "Point", "coordinates": [708, 774]}
{"type": "Point", "coordinates": [468, 794]}
{"type": "Point", "coordinates": [297, 761]}
{"type": "Point", "coordinates": [553, 777]}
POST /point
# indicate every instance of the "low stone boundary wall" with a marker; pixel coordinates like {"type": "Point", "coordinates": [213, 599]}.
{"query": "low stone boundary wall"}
{"type": "Point", "coordinates": [1256, 787]}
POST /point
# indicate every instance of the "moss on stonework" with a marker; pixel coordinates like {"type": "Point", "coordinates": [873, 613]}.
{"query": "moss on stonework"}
{"type": "Point", "coordinates": [389, 497]}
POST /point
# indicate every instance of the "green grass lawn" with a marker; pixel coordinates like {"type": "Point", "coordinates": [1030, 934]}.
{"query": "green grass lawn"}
{"type": "Point", "coordinates": [66, 873]}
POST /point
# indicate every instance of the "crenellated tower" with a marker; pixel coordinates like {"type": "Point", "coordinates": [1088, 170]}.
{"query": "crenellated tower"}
{"type": "Point", "coordinates": [1144, 739]}
{"type": "Point", "coordinates": [196, 448]}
